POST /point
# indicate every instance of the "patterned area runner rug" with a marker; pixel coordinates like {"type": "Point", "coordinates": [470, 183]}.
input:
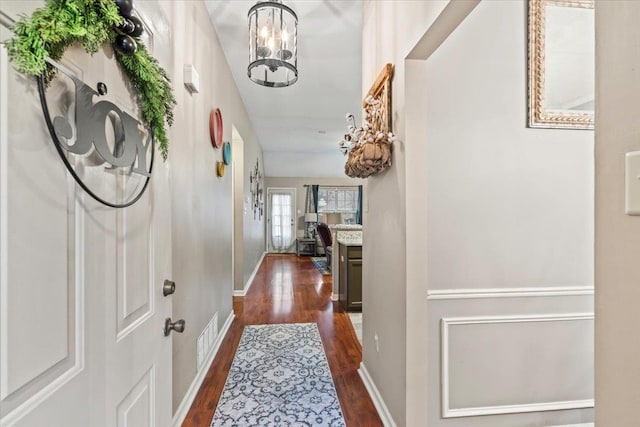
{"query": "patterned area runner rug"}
{"type": "Point", "coordinates": [321, 265]}
{"type": "Point", "coordinates": [279, 377]}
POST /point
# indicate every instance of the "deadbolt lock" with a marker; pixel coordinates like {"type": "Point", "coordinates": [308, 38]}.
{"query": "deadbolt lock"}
{"type": "Point", "coordinates": [168, 288]}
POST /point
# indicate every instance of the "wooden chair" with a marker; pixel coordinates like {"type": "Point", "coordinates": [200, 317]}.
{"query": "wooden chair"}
{"type": "Point", "coordinates": [327, 241]}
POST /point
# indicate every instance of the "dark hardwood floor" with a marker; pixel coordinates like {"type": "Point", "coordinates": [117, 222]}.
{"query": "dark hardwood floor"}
{"type": "Point", "coordinates": [289, 289]}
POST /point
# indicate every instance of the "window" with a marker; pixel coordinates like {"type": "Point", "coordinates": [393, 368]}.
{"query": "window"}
{"type": "Point", "coordinates": [342, 200]}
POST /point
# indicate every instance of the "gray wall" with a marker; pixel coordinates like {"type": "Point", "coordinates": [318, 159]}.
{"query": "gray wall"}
{"type": "Point", "coordinates": [508, 208]}
{"type": "Point", "coordinates": [617, 235]}
{"type": "Point", "coordinates": [202, 202]}
{"type": "Point", "coordinates": [390, 30]}
{"type": "Point", "coordinates": [512, 204]}
{"type": "Point", "coordinates": [253, 225]}
{"type": "Point", "coordinates": [489, 204]}
{"type": "Point", "coordinates": [299, 184]}
{"type": "Point", "coordinates": [294, 164]}
{"type": "Point", "coordinates": [237, 160]}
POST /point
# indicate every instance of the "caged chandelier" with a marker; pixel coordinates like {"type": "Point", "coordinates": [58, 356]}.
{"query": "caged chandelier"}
{"type": "Point", "coordinates": [273, 44]}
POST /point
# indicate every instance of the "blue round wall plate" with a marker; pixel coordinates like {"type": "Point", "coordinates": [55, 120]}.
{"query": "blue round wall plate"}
{"type": "Point", "coordinates": [226, 153]}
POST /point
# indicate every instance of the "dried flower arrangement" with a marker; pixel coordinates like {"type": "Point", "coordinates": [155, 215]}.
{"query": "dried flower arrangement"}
{"type": "Point", "coordinates": [368, 146]}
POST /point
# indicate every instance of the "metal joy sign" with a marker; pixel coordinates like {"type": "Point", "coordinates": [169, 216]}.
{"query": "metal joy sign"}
{"type": "Point", "coordinates": [101, 138]}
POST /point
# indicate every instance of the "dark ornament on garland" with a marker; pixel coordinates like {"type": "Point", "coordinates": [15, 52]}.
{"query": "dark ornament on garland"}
{"type": "Point", "coordinates": [139, 29]}
{"type": "Point", "coordinates": [127, 26]}
{"type": "Point", "coordinates": [125, 44]}
{"type": "Point", "coordinates": [35, 39]}
{"type": "Point", "coordinates": [102, 88]}
{"type": "Point", "coordinates": [125, 7]}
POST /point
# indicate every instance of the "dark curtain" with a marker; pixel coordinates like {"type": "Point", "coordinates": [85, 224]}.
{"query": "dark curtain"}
{"type": "Point", "coordinates": [309, 206]}
{"type": "Point", "coordinates": [314, 189]}
{"type": "Point", "coordinates": [359, 211]}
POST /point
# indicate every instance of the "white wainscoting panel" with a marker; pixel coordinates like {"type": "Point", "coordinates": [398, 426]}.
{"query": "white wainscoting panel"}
{"type": "Point", "coordinates": [516, 364]}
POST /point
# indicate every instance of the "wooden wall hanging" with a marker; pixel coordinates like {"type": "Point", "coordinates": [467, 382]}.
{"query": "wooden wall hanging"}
{"type": "Point", "coordinates": [369, 147]}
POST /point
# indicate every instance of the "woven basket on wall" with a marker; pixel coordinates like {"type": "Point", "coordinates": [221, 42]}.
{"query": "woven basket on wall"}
{"type": "Point", "coordinates": [372, 153]}
{"type": "Point", "coordinates": [368, 159]}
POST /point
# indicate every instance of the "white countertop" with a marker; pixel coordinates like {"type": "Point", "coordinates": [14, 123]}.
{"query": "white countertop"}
{"type": "Point", "coordinates": [350, 242]}
{"type": "Point", "coordinates": [354, 227]}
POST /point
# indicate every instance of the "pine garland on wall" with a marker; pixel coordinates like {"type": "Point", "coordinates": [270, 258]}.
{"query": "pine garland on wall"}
{"type": "Point", "coordinates": [50, 30]}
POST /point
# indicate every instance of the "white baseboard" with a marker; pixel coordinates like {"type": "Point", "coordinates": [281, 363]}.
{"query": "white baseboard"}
{"type": "Point", "coordinates": [250, 280]}
{"type": "Point", "coordinates": [190, 395]}
{"type": "Point", "coordinates": [576, 425]}
{"type": "Point", "coordinates": [376, 397]}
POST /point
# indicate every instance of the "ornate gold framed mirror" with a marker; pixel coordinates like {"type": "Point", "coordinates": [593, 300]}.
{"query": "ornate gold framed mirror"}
{"type": "Point", "coordinates": [561, 64]}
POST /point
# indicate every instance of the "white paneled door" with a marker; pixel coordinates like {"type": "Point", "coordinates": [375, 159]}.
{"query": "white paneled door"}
{"type": "Point", "coordinates": [281, 219]}
{"type": "Point", "coordinates": [81, 303]}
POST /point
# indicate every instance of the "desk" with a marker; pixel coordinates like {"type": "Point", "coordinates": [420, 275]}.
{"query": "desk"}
{"type": "Point", "coordinates": [306, 247]}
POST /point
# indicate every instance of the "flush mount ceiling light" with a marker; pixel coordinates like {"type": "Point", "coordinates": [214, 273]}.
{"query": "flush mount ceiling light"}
{"type": "Point", "coordinates": [273, 44]}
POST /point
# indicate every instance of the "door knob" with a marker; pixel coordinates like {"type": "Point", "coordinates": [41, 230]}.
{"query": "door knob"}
{"type": "Point", "coordinates": [168, 288]}
{"type": "Point", "coordinates": [177, 326]}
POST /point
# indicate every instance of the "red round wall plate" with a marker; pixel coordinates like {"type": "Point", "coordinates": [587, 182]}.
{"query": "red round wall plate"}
{"type": "Point", "coordinates": [215, 128]}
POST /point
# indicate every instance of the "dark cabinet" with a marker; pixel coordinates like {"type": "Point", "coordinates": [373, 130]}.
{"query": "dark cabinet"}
{"type": "Point", "coordinates": [350, 287]}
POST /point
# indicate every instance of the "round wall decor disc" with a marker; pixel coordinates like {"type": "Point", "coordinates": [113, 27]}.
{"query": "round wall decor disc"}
{"type": "Point", "coordinates": [226, 153]}
{"type": "Point", "coordinates": [215, 128]}
{"type": "Point", "coordinates": [220, 169]}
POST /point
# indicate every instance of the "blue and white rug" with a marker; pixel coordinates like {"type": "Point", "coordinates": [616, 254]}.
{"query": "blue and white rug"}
{"type": "Point", "coordinates": [321, 265]}
{"type": "Point", "coordinates": [279, 377]}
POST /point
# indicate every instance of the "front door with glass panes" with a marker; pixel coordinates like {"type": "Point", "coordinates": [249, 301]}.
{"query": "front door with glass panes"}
{"type": "Point", "coordinates": [281, 220]}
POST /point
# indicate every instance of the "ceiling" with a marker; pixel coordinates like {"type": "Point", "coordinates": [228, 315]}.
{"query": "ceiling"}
{"type": "Point", "coordinates": [301, 124]}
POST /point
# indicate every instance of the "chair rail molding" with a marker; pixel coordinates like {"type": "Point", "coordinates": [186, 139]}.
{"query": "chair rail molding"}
{"type": "Point", "coordinates": [448, 412]}
{"type": "Point", "coordinates": [548, 291]}
{"type": "Point", "coordinates": [576, 425]}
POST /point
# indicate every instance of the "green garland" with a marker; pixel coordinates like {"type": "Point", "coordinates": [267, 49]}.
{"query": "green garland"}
{"type": "Point", "coordinates": [49, 31]}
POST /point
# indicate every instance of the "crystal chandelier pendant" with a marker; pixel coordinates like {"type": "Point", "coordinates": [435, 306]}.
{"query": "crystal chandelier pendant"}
{"type": "Point", "coordinates": [273, 44]}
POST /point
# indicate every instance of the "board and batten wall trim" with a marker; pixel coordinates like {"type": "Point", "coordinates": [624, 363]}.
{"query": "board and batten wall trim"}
{"type": "Point", "coordinates": [448, 412]}
{"type": "Point", "coordinates": [552, 291]}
